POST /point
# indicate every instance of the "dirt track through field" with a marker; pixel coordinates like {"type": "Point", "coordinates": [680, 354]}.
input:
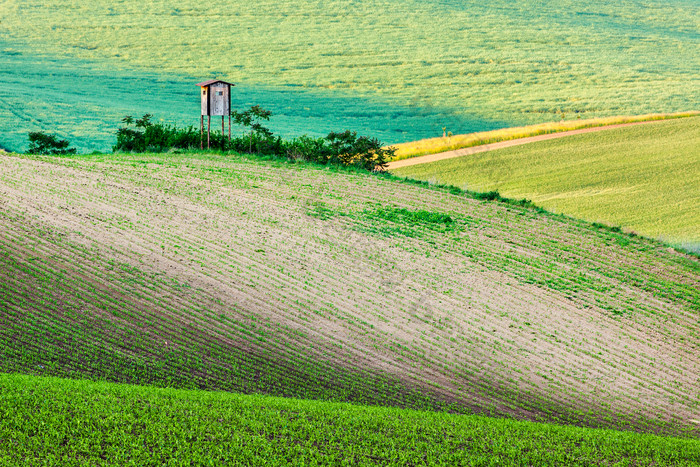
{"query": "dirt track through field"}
{"type": "Point", "coordinates": [503, 144]}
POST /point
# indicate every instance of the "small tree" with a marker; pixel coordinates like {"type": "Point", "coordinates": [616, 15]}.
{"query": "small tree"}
{"type": "Point", "coordinates": [133, 139]}
{"type": "Point", "coordinates": [41, 143]}
{"type": "Point", "coordinates": [251, 118]}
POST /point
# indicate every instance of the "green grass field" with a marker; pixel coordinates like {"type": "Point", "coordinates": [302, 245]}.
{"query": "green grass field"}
{"type": "Point", "coordinates": [643, 178]}
{"type": "Point", "coordinates": [50, 421]}
{"type": "Point", "coordinates": [397, 69]}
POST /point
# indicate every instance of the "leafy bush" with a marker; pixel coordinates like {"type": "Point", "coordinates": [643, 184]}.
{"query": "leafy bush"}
{"type": "Point", "coordinates": [489, 196]}
{"type": "Point", "coordinates": [306, 148]}
{"type": "Point", "coordinates": [256, 143]}
{"type": "Point", "coordinates": [347, 148]}
{"type": "Point", "coordinates": [153, 137]}
{"type": "Point", "coordinates": [41, 143]}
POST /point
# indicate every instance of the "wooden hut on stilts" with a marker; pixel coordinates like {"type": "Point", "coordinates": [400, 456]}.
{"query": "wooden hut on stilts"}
{"type": "Point", "coordinates": [216, 100]}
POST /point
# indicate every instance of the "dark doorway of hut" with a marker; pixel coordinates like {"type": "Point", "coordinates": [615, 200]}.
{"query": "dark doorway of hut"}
{"type": "Point", "coordinates": [216, 100]}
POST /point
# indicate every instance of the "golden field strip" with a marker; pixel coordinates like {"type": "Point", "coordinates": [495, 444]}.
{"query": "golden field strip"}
{"type": "Point", "coordinates": [218, 272]}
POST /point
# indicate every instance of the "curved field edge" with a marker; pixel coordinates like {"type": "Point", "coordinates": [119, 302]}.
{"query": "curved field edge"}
{"type": "Point", "coordinates": [643, 178]}
{"type": "Point", "coordinates": [82, 422]}
{"type": "Point", "coordinates": [450, 143]}
{"type": "Point", "coordinates": [183, 270]}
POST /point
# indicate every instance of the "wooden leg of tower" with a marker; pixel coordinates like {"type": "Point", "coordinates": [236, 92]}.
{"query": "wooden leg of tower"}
{"type": "Point", "coordinates": [223, 138]}
{"type": "Point", "coordinates": [208, 131]}
{"type": "Point", "coordinates": [229, 127]}
{"type": "Point", "coordinates": [201, 132]}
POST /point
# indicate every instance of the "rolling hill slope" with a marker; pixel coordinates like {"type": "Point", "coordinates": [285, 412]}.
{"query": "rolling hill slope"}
{"type": "Point", "coordinates": [259, 276]}
{"type": "Point", "coordinates": [644, 178]}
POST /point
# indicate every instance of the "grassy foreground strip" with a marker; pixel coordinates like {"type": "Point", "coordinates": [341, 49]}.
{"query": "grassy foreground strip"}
{"type": "Point", "coordinates": [450, 143]}
{"type": "Point", "coordinates": [52, 421]}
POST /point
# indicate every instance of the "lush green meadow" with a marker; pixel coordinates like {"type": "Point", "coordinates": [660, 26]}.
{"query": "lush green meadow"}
{"type": "Point", "coordinates": [400, 70]}
{"type": "Point", "coordinates": [52, 422]}
{"type": "Point", "coordinates": [644, 178]}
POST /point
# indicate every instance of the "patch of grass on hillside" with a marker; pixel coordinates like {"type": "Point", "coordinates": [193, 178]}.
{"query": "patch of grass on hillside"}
{"type": "Point", "coordinates": [391, 220]}
{"type": "Point", "coordinates": [414, 217]}
{"type": "Point", "coordinates": [320, 210]}
{"type": "Point", "coordinates": [643, 178]}
{"type": "Point", "coordinates": [77, 422]}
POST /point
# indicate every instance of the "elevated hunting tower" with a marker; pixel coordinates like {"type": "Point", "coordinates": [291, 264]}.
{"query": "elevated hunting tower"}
{"type": "Point", "coordinates": [216, 100]}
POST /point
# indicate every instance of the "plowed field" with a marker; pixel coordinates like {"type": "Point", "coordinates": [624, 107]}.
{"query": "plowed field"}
{"type": "Point", "coordinates": [251, 276]}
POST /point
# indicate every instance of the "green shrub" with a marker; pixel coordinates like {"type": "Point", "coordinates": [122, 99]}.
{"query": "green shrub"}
{"type": "Point", "coordinates": [306, 148]}
{"type": "Point", "coordinates": [489, 196]}
{"type": "Point", "coordinates": [146, 136]}
{"type": "Point", "coordinates": [347, 148]}
{"type": "Point", "coordinates": [41, 143]}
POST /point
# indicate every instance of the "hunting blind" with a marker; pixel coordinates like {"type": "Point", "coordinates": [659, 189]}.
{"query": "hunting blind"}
{"type": "Point", "coordinates": [216, 100]}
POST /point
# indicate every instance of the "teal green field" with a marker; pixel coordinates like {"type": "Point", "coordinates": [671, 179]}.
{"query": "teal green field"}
{"type": "Point", "coordinates": [85, 100]}
{"type": "Point", "coordinates": [644, 178]}
{"type": "Point", "coordinates": [400, 70]}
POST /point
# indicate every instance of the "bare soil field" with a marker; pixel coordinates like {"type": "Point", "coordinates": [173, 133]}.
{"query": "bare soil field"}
{"type": "Point", "coordinates": [297, 280]}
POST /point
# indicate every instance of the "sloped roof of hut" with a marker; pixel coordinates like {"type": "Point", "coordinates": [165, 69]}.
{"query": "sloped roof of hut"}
{"type": "Point", "coordinates": [212, 81]}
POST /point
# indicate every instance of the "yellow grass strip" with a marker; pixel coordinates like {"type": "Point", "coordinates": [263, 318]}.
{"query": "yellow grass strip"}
{"type": "Point", "coordinates": [449, 143]}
